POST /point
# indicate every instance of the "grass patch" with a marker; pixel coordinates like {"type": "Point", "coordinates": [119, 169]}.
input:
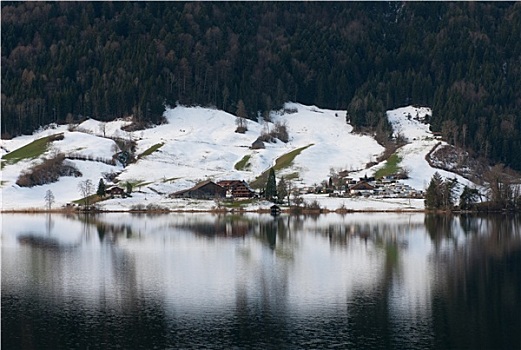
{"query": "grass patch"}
{"type": "Point", "coordinates": [282, 162]}
{"type": "Point", "coordinates": [134, 183]}
{"type": "Point", "coordinates": [138, 185]}
{"type": "Point", "coordinates": [92, 199]}
{"type": "Point", "coordinates": [32, 150]}
{"type": "Point", "coordinates": [391, 166]}
{"type": "Point", "coordinates": [291, 176]}
{"type": "Point", "coordinates": [244, 163]}
{"type": "Point", "coordinates": [151, 150]}
{"type": "Point", "coordinates": [285, 160]}
{"type": "Point", "coordinates": [171, 179]}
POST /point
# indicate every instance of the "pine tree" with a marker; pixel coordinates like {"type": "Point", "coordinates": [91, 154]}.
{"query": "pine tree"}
{"type": "Point", "coordinates": [441, 193]}
{"type": "Point", "coordinates": [101, 188]}
{"type": "Point", "coordinates": [469, 196]}
{"type": "Point", "coordinates": [271, 186]}
{"type": "Point", "coordinates": [282, 190]}
{"type": "Point", "coordinates": [433, 194]}
{"type": "Point", "coordinates": [449, 188]}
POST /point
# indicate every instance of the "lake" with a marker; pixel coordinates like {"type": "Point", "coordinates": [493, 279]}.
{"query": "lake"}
{"type": "Point", "coordinates": [191, 281]}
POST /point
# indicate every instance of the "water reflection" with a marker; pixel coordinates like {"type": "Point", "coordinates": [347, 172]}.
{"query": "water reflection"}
{"type": "Point", "coordinates": [254, 281]}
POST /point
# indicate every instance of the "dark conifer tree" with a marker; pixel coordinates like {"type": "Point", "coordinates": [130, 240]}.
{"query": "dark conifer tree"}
{"type": "Point", "coordinates": [101, 188]}
{"type": "Point", "coordinates": [271, 186]}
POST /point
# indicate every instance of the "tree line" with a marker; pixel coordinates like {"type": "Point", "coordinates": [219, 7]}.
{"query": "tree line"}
{"type": "Point", "coordinates": [500, 193]}
{"type": "Point", "coordinates": [65, 61]}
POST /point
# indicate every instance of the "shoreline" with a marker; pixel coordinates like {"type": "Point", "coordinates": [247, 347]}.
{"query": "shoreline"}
{"type": "Point", "coordinates": [287, 211]}
{"type": "Point", "coordinates": [283, 210]}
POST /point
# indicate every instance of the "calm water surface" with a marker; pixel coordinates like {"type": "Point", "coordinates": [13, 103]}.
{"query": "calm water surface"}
{"type": "Point", "coordinates": [359, 281]}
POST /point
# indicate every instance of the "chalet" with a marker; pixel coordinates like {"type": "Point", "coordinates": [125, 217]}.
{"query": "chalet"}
{"type": "Point", "coordinates": [362, 188]}
{"type": "Point", "coordinates": [115, 191]}
{"type": "Point", "coordinates": [203, 190]}
{"type": "Point", "coordinates": [258, 144]}
{"type": "Point", "coordinates": [236, 188]}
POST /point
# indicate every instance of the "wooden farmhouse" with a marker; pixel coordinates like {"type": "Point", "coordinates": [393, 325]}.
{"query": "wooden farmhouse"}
{"type": "Point", "coordinates": [115, 191]}
{"type": "Point", "coordinates": [203, 190]}
{"type": "Point", "coordinates": [237, 189]}
{"type": "Point", "coordinates": [362, 188]}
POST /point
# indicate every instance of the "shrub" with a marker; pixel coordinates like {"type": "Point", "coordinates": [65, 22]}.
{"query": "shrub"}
{"type": "Point", "coordinates": [241, 129]}
{"type": "Point", "coordinates": [137, 207]}
{"type": "Point", "coordinates": [47, 172]}
{"type": "Point", "coordinates": [155, 207]}
{"type": "Point", "coordinates": [314, 205]}
{"type": "Point", "coordinates": [110, 176]}
{"type": "Point", "coordinates": [280, 131]}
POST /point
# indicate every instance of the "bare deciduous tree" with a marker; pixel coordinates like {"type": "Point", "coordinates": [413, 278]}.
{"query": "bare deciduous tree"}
{"type": "Point", "coordinates": [49, 199]}
{"type": "Point", "coordinates": [103, 129]}
{"type": "Point", "coordinates": [501, 189]}
{"type": "Point", "coordinates": [85, 188]}
{"type": "Point", "coordinates": [241, 118]}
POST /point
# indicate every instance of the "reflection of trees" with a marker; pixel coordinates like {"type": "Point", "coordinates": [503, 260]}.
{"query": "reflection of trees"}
{"type": "Point", "coordinates": [478, 305]}
{"type": "Point", "coordinates": [369, 319]}
{"type": "Point", "coordinates": [127, 316]}
{"type": "Point", "coordinates": [469, 223]}
{"type": "Point", "coordinates": [439, 227]}
{"type": "Point", "coordinates": [49, 224]}
{"type": "Point", "coordinates": [219, 226]}
{"type": "Point", "coordinates": [260, 310]}
{"type": "Point", "coordinates": [475, 303]}
{"type": "Point", "coordinates": [110, 233]}
{"type": "Point", "coordinates": [268, 231]}
{"type": "Point", "coordinates": [368, 313]}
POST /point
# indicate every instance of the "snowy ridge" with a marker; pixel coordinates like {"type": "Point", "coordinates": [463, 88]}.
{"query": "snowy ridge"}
{"type": "Point", "coordinates": [200, 144]}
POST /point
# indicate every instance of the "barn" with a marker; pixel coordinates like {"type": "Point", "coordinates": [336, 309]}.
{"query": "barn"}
{"type": "Point", "coordinates": [203, 190]}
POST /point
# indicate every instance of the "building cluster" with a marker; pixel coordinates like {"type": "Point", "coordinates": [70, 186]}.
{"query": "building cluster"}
{"type": "Point", "coordinates": [386, 187]}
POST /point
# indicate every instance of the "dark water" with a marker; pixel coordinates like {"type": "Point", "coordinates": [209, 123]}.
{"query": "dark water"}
{"type": "Point", "coordinates": [360, 281]}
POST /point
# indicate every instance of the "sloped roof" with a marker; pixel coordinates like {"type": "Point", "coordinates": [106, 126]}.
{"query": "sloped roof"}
{"type": "Point", "coordinates": [196, 187]}
{"type": "Point", "coordinates": [362, 185]}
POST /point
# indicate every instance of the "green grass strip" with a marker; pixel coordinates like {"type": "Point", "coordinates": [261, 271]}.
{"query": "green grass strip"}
{"type": "Point", "coordinates": [92, 199]}
{"type": "Point", "coordinates": [151, 150]}
{"type": "Point", "coordinates": [243, 164]}
{"type": "Point", "coordinates": [281, 163]}
{"type": "Point", "coordinates": [391, 167]}
{"type": "Point", "coordinates": [285, 160]}
{"type": "Point", "coordinates": [30, 151]}
{"type": "Point", "coordinates": [171, 179]}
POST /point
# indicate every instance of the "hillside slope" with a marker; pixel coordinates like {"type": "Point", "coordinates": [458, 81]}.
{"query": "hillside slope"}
{"type": "Point", "coordinates": [200, 143]}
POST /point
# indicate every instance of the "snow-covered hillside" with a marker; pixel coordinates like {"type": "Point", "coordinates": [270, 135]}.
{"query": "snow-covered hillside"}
{"type": "Point", "coordinates": [200, 143]}
{"type": "Point", "coordinates": [409, 122]}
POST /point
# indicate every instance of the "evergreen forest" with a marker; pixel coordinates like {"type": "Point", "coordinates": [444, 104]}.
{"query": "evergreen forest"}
{"type": "Point", "coordinates": [65, 61]}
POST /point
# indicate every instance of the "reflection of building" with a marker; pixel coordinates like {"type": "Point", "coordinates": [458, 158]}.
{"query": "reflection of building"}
{"type": "Point", "coordinates": [203, 190]}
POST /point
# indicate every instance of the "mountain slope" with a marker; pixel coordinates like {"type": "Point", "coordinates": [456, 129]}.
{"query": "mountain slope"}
{"type": "Point", "coordinates": [200, 143]}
